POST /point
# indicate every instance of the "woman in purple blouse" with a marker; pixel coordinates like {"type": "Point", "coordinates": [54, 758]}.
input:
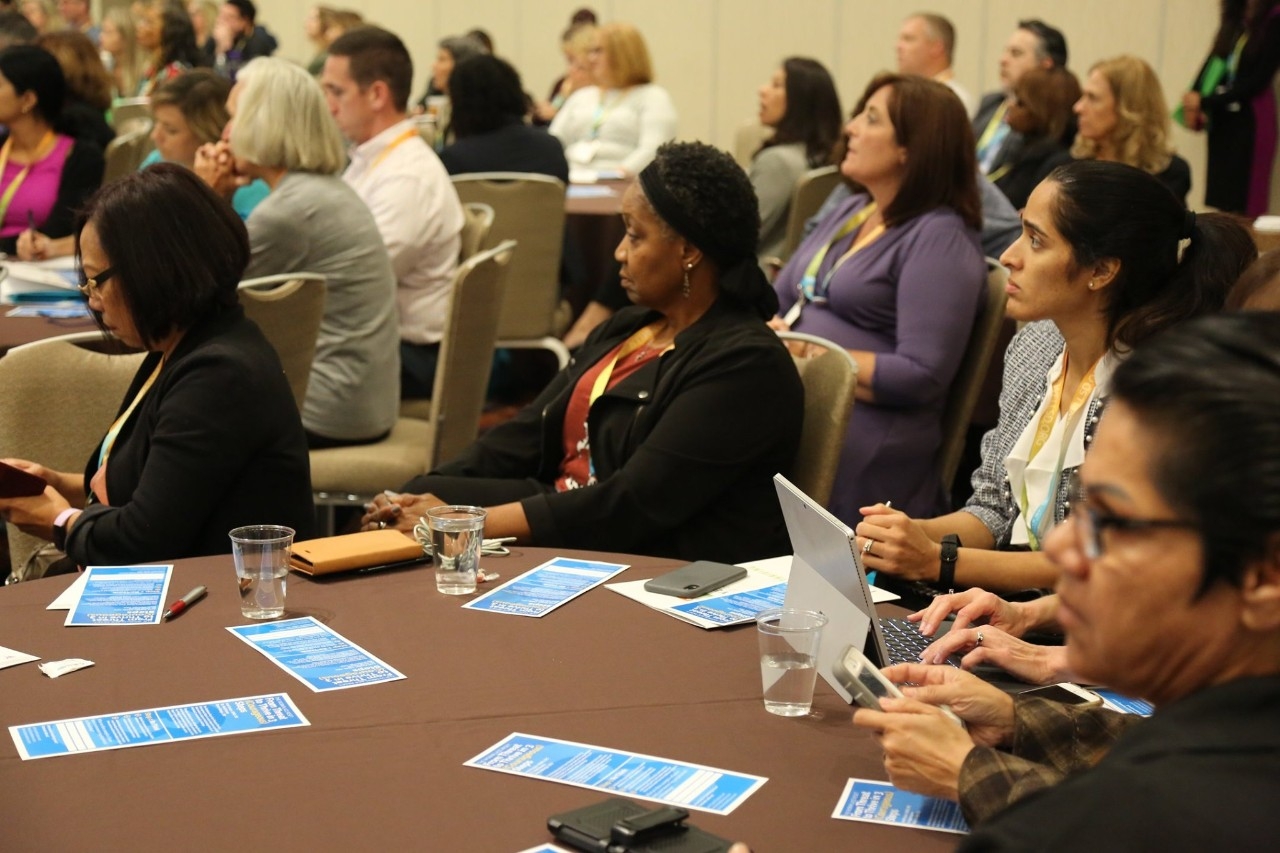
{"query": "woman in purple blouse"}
{"type": "Point", "coordinates": [896, 276]}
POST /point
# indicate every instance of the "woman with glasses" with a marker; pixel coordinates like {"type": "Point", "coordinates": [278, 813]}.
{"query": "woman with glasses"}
{"type": "Point", "coordinates": [1169, 590]}
{"type": "Point", "coordinates": [620, 121]}
{"type": "Point", "coordinates": [1107, 258]}
{"type": "Point", "coordinates": [208, 436]}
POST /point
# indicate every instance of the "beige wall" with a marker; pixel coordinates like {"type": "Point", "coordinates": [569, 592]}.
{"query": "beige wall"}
{"type": "Point", "coordinates": [713, 54]}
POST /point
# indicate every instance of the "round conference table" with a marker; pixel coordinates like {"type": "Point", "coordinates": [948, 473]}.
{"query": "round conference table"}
{"type": "Point", "coordinates": [381, 766]}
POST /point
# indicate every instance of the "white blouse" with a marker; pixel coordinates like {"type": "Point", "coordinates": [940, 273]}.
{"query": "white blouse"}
{"type": "Point", "coordinates": [615, 128]}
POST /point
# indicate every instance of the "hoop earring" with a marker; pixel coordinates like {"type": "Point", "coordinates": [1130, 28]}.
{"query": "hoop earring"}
{"type": "Point", "coordinates": [685, 288]}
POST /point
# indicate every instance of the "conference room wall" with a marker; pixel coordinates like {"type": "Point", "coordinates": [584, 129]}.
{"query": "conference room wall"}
{"type": "Point", "coordinates": [712, 55]}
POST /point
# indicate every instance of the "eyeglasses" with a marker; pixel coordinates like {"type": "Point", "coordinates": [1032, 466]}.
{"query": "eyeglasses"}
{"type": "Point", "coordinates": [92, 286]}
{"type": "Point", "coordinates": [1091, 523]}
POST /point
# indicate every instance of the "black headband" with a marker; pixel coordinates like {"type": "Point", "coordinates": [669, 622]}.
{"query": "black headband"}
{"type": "Point", "coordinates": [672, 212]}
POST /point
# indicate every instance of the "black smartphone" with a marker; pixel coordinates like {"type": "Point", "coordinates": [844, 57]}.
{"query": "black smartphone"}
{"type": "Point", "coordinates": [695, 579]}
{"type": "Point", "coordinates": [618, 825]}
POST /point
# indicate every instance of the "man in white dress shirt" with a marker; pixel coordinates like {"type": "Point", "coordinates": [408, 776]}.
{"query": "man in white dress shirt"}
{"type": "Point", "coordinates": [366, 79]}
{"type": "Point", "coordinates": [925, 45]}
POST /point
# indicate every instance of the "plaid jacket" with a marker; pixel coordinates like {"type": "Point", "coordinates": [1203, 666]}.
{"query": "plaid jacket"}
{"type": "Point", "coordinates": [1050, 741]}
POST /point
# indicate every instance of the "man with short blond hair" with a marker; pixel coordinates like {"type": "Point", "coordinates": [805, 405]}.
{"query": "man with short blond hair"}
{"type": "Point", "coordinates": [926, 44]}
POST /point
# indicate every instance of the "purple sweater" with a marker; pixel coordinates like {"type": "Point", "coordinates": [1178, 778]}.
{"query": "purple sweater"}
{"type": "Point", "coordinates": [911, 297]}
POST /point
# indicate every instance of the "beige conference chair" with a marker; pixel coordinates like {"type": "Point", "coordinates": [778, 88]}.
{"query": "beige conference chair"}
{"type": "Point", "coordinates": [478, 219]}
{"type": "Point", "coordinates": [529, 209]}
{"type": "Point", "coordinates": [131, 146]}
{"type": "Point", "coordinates": [126, 110]}
{"type": "Point", "coordinates": [288, 309]}
{"type": "Point", "coordinates": [829, 380]}
{"type": "Point", "coordinates": [967, 385]}
{"type": "Point", "coordinates": [60, 396]}
{"type": "Point", "coordinates": [346, 476]}
{"type": "Point", "coordinates": [747, 140]}
{"type": "Point", "coordinates": [810, 192]}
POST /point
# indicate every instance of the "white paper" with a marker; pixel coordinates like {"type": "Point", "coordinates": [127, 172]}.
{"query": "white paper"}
{"type": "Point", "coordinates": [10, 657]}
{"type": "Point", "coordinates": [55, 668]}
{"type": "Point", "coordinates": [70, 595]}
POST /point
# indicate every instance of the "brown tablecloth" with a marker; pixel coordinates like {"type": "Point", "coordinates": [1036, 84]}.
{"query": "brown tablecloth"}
{"type": "Point", "coordinates": [381, 767]}
{"type": "Point", "coordinates": [15, 331]}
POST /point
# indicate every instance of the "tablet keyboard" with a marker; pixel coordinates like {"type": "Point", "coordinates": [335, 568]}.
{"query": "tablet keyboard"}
{"type": "Point", "coordinates": [905, 642]}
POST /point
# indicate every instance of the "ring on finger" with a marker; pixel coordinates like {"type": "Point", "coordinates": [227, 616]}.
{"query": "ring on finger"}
{"type": "Point", "coordinates": [866, 549]}
{"type": "Point", "coordinates": [979, 640]}
{"type": "Point", "coordinates": [382, 525]}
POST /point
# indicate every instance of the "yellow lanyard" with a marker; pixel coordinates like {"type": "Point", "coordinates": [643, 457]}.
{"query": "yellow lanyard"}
{"type": "Point", "coordinates": [992, 126]}
{"type": "Point", "coordinates": [1035, 522]}
{"type": "Point", "coordinates": [391, 146]}
{"type": "Point", "coordinates": [807, 284]}
{"type": "Point", "coordinates": [109, 440]}
{"type": "Point", "coordinates": [12, 189]}
{"type": "Point", "coordinates": [636, 341]}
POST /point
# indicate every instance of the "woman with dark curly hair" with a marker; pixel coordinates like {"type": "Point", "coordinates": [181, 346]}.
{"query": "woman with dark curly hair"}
{"type": "Point", "coordinates": [663, 435]}
{"type": "Point", "coordinates": [801, 105]}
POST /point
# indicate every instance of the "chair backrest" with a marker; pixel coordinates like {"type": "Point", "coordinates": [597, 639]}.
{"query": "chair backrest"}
{"type": "Point", "coordinates": [131, 146]}
{"type": "Point", "coordinates": [126, 110]}
{"type": "Point", "coordinates": [829, 380]}
{"type": "Point", "coordinates": [747, 140]}
{"type": "Point", "coordinates": [477, 220]}
{"type": "Point", "coordinates": [967, 384]}
{"type": "Point", "coordinates": [59, 399]}
{"type": "Point", "coordinates": [810, 192]}
{"type": "Point", "coordinates": [288, 309]}
{"type": "Point", "coordinates": [466, 351]}
{"type": "Point", "coordinates": [529, 209]}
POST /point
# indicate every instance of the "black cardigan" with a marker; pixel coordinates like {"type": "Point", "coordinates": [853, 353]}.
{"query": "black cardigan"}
{"type": "Point", "coordinates": [684, 449]}
{"type": "Point", "coordinates": [215, 444]}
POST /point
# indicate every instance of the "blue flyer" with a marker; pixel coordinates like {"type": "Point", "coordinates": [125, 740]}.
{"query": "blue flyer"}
{"type": "Point", "coordinates": [1124, 704]}
{"type": "Point", "coordinates": [157, 725]}
{"type": "Point", "coordinates": [736, 608]}
{"type": "Point", "coordinates": [676, 783]}
{"type": "Point", "coordinates": [315, 654]}
{"type": "Point", "coordinates": [121, 595]}
{"type": "Point", "coordinates": [879, 802]}
{"type": "Point", "coordinates": [544, 588]}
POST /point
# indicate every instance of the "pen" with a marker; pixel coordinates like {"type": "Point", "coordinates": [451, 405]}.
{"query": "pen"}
{"type": "Point", "coordinates": [183, 603]}
{"type": "Point", "coordinates": [871, 576]}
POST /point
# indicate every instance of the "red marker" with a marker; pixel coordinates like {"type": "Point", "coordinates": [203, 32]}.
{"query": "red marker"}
{"type": "Point", "coordinates": [183, 603]}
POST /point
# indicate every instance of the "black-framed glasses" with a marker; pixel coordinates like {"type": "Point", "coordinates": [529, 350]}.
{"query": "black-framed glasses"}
{"type": "Point", "coordinates": [1092, 523]}
{"type": "Point", "coordinates": [91, 286]}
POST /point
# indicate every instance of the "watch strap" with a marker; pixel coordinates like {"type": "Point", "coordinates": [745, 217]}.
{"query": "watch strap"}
{"type": "Point", "coordinates": [947, 568]}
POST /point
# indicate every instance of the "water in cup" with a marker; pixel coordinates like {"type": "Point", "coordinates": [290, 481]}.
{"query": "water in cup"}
{"type": "Point", "coordinates": [261, 554]}
{"type": "Point", "coordinates": [789, 642]}
{"type": "Point", "coordinates": [457, 534]}
{"type": "Point", "coordinates": [262, 591]}
{"type": "Point", "coordinates": [458, 560]}
{"type": "Point", "coordinates": [788, 683]}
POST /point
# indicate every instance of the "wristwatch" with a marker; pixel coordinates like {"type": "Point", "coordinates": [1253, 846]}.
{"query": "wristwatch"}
{"type": "Point", "coordinates": [947, 571]}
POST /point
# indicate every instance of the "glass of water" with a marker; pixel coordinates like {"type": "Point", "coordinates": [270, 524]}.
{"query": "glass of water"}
{"type": "Point", "coordinates": [789, 641]}
{"type": "Point", "coordinates": [457, 533]}
{"type": "Point", "coordinates": [261, 553]}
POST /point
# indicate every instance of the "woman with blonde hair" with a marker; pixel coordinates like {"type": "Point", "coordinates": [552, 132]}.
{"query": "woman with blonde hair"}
{"type": "Point", "coordinates": [204, 13]}
{"type": "Point", "coordinates": [620, 121]}
{"type": "Point", "coordinates": [575, 44]}
{"type": "Point", "coordinates": [1123, 117]}
{"type": "Point", "coordinates": [311, 220]}
{"type": "Point", "coordinates": [120, 51]}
